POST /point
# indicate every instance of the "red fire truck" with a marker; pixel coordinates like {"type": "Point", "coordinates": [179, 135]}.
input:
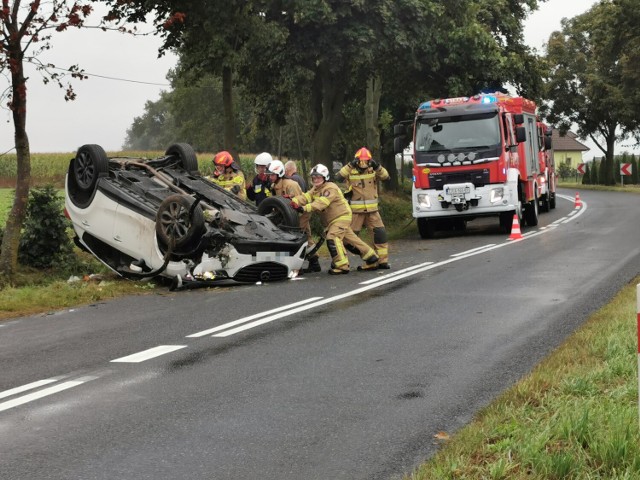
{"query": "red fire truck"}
{"type": "Point", "coordinates": [475, 157]}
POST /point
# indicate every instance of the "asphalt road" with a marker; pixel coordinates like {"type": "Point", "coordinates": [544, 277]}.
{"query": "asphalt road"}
{"type": "Point", "coordinates": [322, 377]}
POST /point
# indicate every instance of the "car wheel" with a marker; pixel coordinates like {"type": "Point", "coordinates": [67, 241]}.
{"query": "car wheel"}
{"type": "Point", "coordinates": [187, 156]}
{"type": "Point", "coordinates": [177, 223]}
{"type": "Point", "coordinates": [278, 210]}
{"type": "Point", "coordinates": [89, 164]}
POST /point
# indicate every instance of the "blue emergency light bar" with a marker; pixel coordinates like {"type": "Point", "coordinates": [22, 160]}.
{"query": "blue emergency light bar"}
{"type": "Point", "coordinates": [481, 98]}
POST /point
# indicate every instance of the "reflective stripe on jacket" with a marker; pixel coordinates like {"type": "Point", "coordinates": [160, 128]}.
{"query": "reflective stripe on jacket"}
{"type": "Point", "coordinates": [364, 186]}
{"type": "Point", "coordinates": [328, 200]}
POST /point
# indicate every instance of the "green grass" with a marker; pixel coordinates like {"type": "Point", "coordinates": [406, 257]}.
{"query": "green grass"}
{"type": "Point", "coordinates": [574, 417]}
{"type": "Point", "coordinates": [6, 200]}
{"type": "Point", "coordinates": [601, 188]}
{"type": "Point", "coordinates": [51, 167]}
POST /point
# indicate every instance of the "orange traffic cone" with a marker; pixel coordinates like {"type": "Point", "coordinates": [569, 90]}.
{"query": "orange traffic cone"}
{"type": "Point", "coordinates": [578, 201]}
{"type": "Point", "coordinates": [515, 229]}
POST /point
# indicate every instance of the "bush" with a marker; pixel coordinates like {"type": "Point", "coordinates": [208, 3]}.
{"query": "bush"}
{"type": "Point", "coordinates": [44, 240]}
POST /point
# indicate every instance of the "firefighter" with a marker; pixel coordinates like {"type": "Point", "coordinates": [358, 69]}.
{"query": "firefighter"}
{"type": "Point", "coordinates": [283, 186]}
{"type": "Point", "coordinates": [258, 189]}
{"type": "Point", "coordinates": [362, 176]}
{"type": "Point", "coordinates": [228, 175]}
{"type": "Point", "coordinates": [326, 198]}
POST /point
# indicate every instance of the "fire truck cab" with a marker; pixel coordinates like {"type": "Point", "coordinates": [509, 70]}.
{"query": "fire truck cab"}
{"type": "Point", "coordinates": [475, 157]}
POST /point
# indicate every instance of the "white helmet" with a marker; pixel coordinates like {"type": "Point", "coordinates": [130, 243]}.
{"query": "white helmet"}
{"type": "Point", "coordinates": [320, 170]}
{"type": "Point", "coordinates": [277, 168]}
{"type": "Point", "coordinates": [263, 159]}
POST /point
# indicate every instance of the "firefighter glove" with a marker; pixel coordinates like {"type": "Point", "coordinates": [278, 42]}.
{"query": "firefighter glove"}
{"type": "Point", "coordinates": [296, 207]}
{"type": "Point", "coordinates": [373, 164]}
{"type": "Point", "coordinates": [235, 189]}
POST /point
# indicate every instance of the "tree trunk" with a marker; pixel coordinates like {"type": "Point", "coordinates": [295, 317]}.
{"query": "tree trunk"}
{"type": "Point", "coordinates": [371, 114]}
{"type": "Point", "coordinates": [11, 239]}
{"type": "Point", "coordinates": [608, 168]}
{"type": "Point", "coordinates": [327, 101]}
{"type": "Point", "coordinates": [371, 117]}
{"type": "Point", "coordinates": [229, 116]}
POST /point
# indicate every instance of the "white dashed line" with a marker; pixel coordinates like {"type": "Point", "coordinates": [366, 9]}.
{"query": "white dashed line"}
{"type": "Point", "coordinates": [251, 317]}
{"type": "Point", "coordinates": [148, 354]}
{"type": "Point", "coordinates": [28, 386]}
{"type": "Point", "coordinates": [36, 395]}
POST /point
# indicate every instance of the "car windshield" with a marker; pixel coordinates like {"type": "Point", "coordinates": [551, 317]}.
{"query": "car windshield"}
{"type": "Point", "coordinates": [464, 132]}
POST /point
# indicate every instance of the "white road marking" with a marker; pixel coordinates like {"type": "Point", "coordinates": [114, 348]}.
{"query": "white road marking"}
{"type": "Point", "coordinates": [148, 354]}
{"type": "Point", "coordinates": [394, 274]}
{"type": "Point", "coordinates": [28, 386]}
{"type": "Point", "coordinates": [251, 317]}
{"type": "Point", "coordinates": [36, 395]}
{"type": "Point", "coordinates": [472, 250]}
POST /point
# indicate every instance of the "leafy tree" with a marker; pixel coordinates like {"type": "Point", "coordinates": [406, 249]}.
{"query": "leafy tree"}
{"type": "Point", "coordinates": [586, 178]}
{"type": "Point", "coordinates": [154, 129]}
{"type": "Point", "coordinates": [616, 168]}
{"type": "Point", "coordinates": [634, 170]}
{"type": "Point", "coordinates": [333, 54]}
{"type": "Point", "coordinates": [594, 171]}
{"type": "Point", "coordinates": [592, 79]}
{"type": "Point", "coordinates": [25, 32]}
{"type": "Point", "coordinates": [209, 37]}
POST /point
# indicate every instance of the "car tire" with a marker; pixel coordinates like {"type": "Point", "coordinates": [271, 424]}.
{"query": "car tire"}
{"type": "Point", "coordinates": [90, 163]}
{"type": "Point", "coordinates": [278, 210]}
{"type": "Point", "coordinates": [176, 224]}
{"type": "Point", "coordinates": [187, 156]}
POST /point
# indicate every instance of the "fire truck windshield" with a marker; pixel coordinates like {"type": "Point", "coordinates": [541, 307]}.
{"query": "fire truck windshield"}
{"type": "Point", "coordinates": [449, 133]}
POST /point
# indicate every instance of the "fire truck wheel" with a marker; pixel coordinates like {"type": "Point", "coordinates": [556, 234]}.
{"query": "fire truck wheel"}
{"type": "Point", "coordinates": [459, 225]}
{"type": "Point", "coordinates": [425, 228]}
{"type": "Point", "coordinates": [531, 212]}
{"type": "Point", "coordinates": [544, 202]}
{"type": "Point", "coordinates": [552, 200]}
{"type": "Point", "coordinates": [506, 221]}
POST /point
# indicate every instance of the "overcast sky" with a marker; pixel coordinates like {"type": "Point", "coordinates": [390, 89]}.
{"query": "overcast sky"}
{"type": "Point", "coordinates": [106, 107]}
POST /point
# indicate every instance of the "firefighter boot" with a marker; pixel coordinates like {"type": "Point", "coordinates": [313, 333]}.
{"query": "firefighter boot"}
{"type": "Point", "coordinates": [371, 263]}
{"type": "Point", "coordinates": [314, 265]}
{"type": "Point", "coordinates": [333, 270]}
{"type": "Point", "coordinates": [384, 266]}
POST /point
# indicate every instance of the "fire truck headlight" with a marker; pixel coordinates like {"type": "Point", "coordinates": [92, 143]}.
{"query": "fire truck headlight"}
{"type": "Point", "coordinates": [423, 201]}
{"type": "Point", "coordinates": [496, 195]}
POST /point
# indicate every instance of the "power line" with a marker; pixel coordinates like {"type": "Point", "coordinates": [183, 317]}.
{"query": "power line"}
{"type": "Point", "coordinates": [111, 78]}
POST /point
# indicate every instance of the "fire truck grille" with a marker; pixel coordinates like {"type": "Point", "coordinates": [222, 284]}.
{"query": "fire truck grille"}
{"type": "Point", "coordinates": [479, 178]}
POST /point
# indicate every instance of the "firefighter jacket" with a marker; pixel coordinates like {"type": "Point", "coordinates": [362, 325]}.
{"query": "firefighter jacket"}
{"type": "Point", "coordinates": [259, 188]}
{"type": "Point", "coordinates": [363, 186]}
{"type": "Point", "coordinates": [286, 187]}
{"type": "Point", "coordinates": [233, 181]}
{"type": "Point", "coordinates": [326, 199]}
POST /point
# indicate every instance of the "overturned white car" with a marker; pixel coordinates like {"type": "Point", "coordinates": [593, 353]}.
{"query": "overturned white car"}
{"type": "Point", "coordinates": [149, 217]}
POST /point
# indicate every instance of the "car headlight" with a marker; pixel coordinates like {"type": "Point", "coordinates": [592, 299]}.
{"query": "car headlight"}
{"type": "Point", "coordinates": [496, 194]}
{"type": "Point", "coordinates": [423, 201]}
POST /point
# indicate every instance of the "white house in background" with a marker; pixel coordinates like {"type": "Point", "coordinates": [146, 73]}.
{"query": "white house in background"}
{"type": "Point", "coordinates": [567, 149]}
